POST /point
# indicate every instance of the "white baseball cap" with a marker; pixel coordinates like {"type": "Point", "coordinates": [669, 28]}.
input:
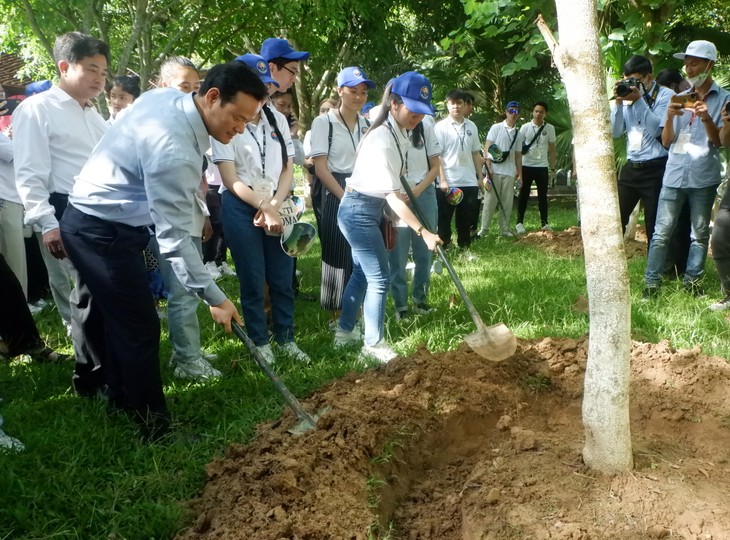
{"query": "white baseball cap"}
{"type": "Point", "coordinates": [700, 49]}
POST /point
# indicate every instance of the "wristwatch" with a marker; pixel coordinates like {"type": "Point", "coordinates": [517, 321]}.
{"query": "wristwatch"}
{"type": "Point", "coordinates": [420, 230]}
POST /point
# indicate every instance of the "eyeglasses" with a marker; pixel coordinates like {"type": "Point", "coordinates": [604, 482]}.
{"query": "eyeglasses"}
{"type": "Point", "coordinates": [293, 72]}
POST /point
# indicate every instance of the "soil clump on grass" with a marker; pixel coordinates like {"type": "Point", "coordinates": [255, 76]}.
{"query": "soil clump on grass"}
{"type": "Point", "coordinates": [450, 446]}
{"type": "Point", "coordinates": [568, 243]}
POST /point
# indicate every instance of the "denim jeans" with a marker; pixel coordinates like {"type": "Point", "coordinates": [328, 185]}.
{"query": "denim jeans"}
{"type": "Point", "coordinates": [422, 256]}
{"type": "Point", "coordinates": [359, 220]}
{"type": "Point", "coordinates": [671, 201]}
{"type": "Point", "coordinates": [182, 309]}
{"type": "Point", "coordinates": [259, 260]}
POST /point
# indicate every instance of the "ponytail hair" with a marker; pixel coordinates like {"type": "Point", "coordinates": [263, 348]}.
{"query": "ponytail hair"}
{"type": "Point", "coordinates": [388, 97]}
{"type": "Point", "coordinates": [275, 126]}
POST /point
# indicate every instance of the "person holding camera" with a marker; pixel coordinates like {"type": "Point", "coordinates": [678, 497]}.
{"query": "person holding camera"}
{"type": "Point", "coordinates": [639, 111]}
{"type": "Point", "coordinates": [538, 164]}
{"type": "Point", "coordinates": [692, 133]}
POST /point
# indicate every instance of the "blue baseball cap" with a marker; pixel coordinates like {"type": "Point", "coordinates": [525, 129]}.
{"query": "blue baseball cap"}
{"type": "Point", "coordinates": [513, 105]}
{"type": "Point", "coordinates": [280, 48]}
{"type": "Point", "coordinates": [352, 76]}
{"type": "Point", "coordinates": [415, 91]}
{"type": "Point", "coordinates": [260, 66]}
{"type": "Point", "coordinates": [365, 108]}
{"type": "Point", "coordinates": [37, 87]}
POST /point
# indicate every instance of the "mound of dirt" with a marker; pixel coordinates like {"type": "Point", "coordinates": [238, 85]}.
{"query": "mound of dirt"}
{"type": "Point", "coordinates": [450, 446]}
{"type": "Point", "coordinates": [569, 243]}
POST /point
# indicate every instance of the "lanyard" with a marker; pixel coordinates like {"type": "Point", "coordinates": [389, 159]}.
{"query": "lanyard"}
{"type": "Point", "coordinates": [359, 136]}
{"type": "Point", "coordinates": [262, 152]}
{"type": "Point", "coordinates": [403, 162]}
{"type": "Point", "coordinates": [462, 138]}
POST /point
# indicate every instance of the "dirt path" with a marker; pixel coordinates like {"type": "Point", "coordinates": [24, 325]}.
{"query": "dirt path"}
{"type": "Point", "coordinates": [450, 446]}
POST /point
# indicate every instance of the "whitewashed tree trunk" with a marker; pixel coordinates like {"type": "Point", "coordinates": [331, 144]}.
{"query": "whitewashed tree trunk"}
{"type": "Point", "coordinates": [606, 388]}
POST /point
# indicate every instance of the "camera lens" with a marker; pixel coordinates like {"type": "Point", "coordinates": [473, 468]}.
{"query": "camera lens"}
{"type": "Point", "coordinates": [623, 89]}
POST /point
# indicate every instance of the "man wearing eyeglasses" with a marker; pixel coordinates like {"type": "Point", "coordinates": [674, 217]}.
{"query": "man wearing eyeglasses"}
{"type": "Point", "coordinates": [638, 111]}
{"type": "Point", "coordinates": [283, 61]}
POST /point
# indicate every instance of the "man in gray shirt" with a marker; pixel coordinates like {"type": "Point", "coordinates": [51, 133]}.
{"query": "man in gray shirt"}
{"type": "Point", "coordinates": [146, 171]}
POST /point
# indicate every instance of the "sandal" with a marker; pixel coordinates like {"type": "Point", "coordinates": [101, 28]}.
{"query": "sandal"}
{"type": "Point", "coordinates": [46, 355]}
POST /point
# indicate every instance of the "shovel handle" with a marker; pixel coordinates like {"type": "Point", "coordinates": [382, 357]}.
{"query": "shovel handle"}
{"type": "Point", "coordinates": [292, 401]}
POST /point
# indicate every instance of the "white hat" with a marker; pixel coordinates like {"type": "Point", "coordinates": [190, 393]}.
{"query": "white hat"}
{"type": "Point", "coordinates": [700, 49]}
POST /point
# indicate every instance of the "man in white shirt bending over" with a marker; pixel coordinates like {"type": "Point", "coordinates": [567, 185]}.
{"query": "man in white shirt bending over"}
{"type": "Point", "coordinates": [54, 133]}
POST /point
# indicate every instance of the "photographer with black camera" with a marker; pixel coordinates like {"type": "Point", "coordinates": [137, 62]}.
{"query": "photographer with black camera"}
{"type": "Point", "coordinates": [638, 111]}
{"type": "Point", "coordinates": [693, 170]}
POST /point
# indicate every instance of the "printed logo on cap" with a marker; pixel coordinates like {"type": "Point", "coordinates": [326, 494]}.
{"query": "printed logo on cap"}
{"type": "Point", "coordinates": [261, 66]}
{"type": "Point", "coordinates": [357, 73]}
{"type": "Point", "coordinates": [424, 92]}
{"type": "Point", "coordinates": [274, 136]}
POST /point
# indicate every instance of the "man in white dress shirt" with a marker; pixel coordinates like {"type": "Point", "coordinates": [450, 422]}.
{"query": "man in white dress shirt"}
{"type": "Point", "coordinates": [54, 133]}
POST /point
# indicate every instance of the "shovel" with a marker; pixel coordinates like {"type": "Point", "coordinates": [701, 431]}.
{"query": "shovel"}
{"type": "Point", "coordinates": [307, 422]}
{"type": "Point", "coordinates": [495, 342]}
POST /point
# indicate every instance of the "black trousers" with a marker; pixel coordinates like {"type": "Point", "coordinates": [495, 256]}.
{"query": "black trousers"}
{"type": "Point", "coordinates": [641, 182]}
{"type": "Point", "coordinates": [540, 176]}
{"type": "Point", "coordinates": [214, 249]}
{"type": "Point", "coordinates": [108, 257]}
{"type": "Point", "coordinates": [720, 242]}
{"type": "Point", "coordinates": [467, 211]}
{"type": "Point", "coordinates": [17, 327]}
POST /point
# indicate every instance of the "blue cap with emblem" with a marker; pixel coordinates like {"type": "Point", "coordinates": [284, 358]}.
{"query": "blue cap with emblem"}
{"type": "Point", "coordinates": [260, 66]}
{"type": "Point", "coordinates": [352, 76]}
{"type": "Point", "coordinates": [280, 48]}
{"type": "Point", "coordinates": [415, 91]}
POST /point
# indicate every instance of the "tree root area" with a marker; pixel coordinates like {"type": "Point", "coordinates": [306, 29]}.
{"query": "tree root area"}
{"type": "Point", "coordinates": [451, 446]}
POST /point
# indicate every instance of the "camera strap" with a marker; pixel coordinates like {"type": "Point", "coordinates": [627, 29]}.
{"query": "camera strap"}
{"type": "Point", "coordinates": [651, 99]}
{"type": "Point", "coordinates": [526, 147]}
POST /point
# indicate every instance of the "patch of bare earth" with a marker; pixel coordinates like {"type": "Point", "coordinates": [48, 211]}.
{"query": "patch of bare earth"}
{"type": "Point", "coordinates": [450, 446]}
{"type": "Point", "coordinates": [568, 243]}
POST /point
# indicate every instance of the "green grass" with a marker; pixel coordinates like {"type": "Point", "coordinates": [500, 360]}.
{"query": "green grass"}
{"type": "Point", "coordinates": [84, 476]}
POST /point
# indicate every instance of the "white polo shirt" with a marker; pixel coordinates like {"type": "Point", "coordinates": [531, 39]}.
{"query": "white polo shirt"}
{"type": "Point", "coordinates": [341, 155]}
{"type": "Point", "coordinates": [537, 156]}
{"type": "Point", "coordinates": [502, 135]}
{"type": "Point", "coordinates": [8, 191]}
{"type": "Point", "coordinates": [247, 149]}
{"type": "Point", "coordinates": [458, 142]}
{"type": "Point", "coordinates": [420, 153]}
{"type": "Point", "coordinates": [380, 161]}
{"type": "Point", "coordinates": [53, 137]}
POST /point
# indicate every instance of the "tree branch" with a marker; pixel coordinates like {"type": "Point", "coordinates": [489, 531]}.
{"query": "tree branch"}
{"type": "Point", "coordinates": [37, 29]}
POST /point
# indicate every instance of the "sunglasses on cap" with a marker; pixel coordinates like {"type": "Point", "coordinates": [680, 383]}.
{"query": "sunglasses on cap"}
{"type": "Point", "coordinates": [512, 110]}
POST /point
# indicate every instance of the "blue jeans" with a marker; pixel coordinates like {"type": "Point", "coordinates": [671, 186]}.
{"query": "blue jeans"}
{"type": "Point", "coordinates": [259, 260]}
{"type": "Point", "coordinates": [671, 201]}
{"type": "Point", "coordinates": [422, 256]}
{"type": "Point", "coordinates": [359, 220]}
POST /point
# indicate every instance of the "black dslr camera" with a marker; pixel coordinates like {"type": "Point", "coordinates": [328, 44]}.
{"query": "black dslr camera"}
{"type": "Point", "coordinates": [623, 87]}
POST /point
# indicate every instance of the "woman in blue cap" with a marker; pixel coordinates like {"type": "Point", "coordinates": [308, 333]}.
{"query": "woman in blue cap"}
{"type": "Point", "coordinates": [335, 137]}
{"type": "Point", "coordinates": [376, 182]}
{"type": "Point", "coordinates": [257, 170]}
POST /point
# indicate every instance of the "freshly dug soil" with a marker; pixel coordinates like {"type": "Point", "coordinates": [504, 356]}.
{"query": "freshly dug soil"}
{"type": "Point", "coordinates": [568, 243]}
{"type": "Point", "coordinates": [451, 446]}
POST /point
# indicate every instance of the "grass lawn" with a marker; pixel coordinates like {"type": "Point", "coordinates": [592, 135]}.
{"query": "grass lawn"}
{"type": "Point", "coordinates": [83, 475]}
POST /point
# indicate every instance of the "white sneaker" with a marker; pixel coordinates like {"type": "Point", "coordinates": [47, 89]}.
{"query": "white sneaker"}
{"type": "Point", "coordinates": [10, 444]}
{"type": "Point", "coordinates": [267, 353]}
{"type": "Point", "coordinates": [208, 356]}
{"type": "Point", "coordinates": [507, 234]}
{"type": "Point", "coordinates": [199, 370]}
{"type": "Point", "coordinates": [291, 349]}
{"type": "Point", "coordinates": [380, 352]}
{"type": "Point", "coordinates": [37, 307]}
{"type": "Point", "coordinates": [213, 270]}
{"type": "Point", "coordinates": [520, 228]}
{"type": "Point", "coordinates": [721, 305]}
{"type": "Point", "coordinates": [345, 339]}
{"type": "Point", "coordinates": [68, 328]}
{"type": "Point", "coordinates": [226, 270]}
{"type": "Point", "coordinates": [546, 227]}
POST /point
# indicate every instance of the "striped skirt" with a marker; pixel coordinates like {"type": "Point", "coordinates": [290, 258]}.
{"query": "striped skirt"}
{"type": "Point", "coordinates": [336, 252]}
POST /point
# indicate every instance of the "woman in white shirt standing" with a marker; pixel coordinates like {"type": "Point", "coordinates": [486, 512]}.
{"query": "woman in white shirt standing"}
{"type": "Point", "coordinates": [335, 137]}
{"type": "Point", "coordinates": [375, 182]}
{"type": "Point", "coordinates": [257, 170]}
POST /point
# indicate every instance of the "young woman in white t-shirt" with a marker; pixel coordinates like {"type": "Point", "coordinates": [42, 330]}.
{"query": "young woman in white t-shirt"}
{"type": "Point", "coordinates": [375, 183]}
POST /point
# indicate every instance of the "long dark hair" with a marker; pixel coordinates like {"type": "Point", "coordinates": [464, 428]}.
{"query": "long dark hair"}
{"type": "Point", "coordinates": [275, 126]}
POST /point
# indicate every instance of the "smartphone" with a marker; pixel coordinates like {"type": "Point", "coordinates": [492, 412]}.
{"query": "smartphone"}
{"type": "Point", "coordinates": [686, 100]}
{"type": "Point", "coordinates": [10, 105]}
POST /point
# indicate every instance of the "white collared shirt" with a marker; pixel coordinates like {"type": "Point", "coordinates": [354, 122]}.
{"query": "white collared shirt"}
{"type": "Point", "coordinates": [503, 136]}
{"type": "Point", "coordinates": [53, 137]}
{"type": "Point", "coordinates": [419, 155]}
{"type": "Point", "coordinates": [147, 170]}
{"type": "Point", "coordinates": [538, 154]}
{"type": "Point", "coordinates": [380, 161]}
{"type": "Point", "coordinates": [245, 151]}
{"type": "Point", "coordinates": [8, 191]}
{"type": "Point", "coordinates": [341, 155]}
{"type": "Point", "coordinates": [458, 144]}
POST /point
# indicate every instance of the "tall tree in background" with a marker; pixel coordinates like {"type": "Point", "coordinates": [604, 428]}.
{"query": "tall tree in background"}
{"type": "Point", "coordinates": [606, 388]}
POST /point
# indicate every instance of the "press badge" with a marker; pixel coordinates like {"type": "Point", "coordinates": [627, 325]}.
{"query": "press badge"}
{"type": "Point", "coordinates": [263, 190]}
{"type": "Point", "coordinates": [634, 140]}
{"type": "Point", "coordinates": [680, 147]}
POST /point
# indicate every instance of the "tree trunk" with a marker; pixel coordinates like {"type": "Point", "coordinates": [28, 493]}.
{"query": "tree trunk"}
{"type": "Point", "coordinates": [606, 387]}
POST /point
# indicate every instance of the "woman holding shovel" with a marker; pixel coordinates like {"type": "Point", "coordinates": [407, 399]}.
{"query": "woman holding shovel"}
{"type": "Point", "coordinates": [375, 184]}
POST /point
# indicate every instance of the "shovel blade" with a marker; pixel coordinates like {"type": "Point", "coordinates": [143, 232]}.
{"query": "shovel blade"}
{"type": "Point", "coordinates": [494, 343]}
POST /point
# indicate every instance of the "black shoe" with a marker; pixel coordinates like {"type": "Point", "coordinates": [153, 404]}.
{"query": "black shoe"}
{"type": "Point", "coordinates": [153, 426]}
{"type": "Point", "coordinates": [402, 315]}
{"type": "Point", "coordinates": [694, 288]}
{"type": "Point", "coordinates": [650, 292]}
